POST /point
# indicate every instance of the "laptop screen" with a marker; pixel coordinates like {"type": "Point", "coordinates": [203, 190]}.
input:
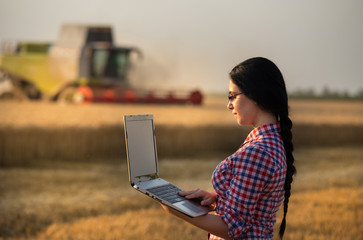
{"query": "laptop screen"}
{"type": "Point", "coordinates": [141, 146]}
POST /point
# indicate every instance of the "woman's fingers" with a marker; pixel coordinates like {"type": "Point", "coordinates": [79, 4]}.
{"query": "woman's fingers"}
{"type": "Point", "coordinates": [207, 201]}
{"type": "Point", "coordinates": [192, 194]}
{"type": "Point", "coordinates": [186, 193]}
{"type": "Point", "coordinates": [206, 198]}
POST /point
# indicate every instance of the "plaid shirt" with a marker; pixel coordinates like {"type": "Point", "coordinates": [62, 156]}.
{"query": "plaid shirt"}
{"type": "Point", "coordinates": [250, 184]}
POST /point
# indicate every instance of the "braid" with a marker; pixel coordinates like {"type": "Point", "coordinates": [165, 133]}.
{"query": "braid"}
{"type": "Point", "coordinates": [286, 125]}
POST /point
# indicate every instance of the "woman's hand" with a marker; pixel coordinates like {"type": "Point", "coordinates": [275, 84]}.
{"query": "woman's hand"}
{"type": "Point", "coordinates": [168, 209]}
{"type": "Point", "coordinates": [207, 198]}
{"type": "Point", "coordinates": [210, 223]}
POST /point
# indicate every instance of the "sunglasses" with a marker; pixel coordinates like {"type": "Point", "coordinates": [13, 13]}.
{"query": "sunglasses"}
{"type": "Point", "coordinates": [232, 96]}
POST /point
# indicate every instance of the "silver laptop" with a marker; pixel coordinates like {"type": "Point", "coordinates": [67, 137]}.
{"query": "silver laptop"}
{"type": "Point", "coordinates": [143, 167]}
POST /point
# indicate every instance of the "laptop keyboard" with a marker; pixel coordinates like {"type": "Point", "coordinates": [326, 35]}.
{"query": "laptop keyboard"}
{"type": "Point", "coordinates": [167, 192]}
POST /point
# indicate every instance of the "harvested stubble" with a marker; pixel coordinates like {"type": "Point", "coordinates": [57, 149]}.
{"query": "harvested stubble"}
{"type": "Point", "coordinates": [24, 145]}
{"type": "Point", "coordinates": [32, 131]}
{"type": "Point", "coordinates": [62, 178]}
{"type": "Point", "coordinates": [62, 200]}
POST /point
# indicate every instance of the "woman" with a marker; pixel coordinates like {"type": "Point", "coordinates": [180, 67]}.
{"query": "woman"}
{"type": "Point", "coordinates": [251, 184]}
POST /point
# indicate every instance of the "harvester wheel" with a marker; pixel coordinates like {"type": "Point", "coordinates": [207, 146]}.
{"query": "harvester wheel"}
{"type": "Point", "coordinates": [70, 95]}
{"type": "Point", "coordinates": [14, 94]}
{"type": "Point", "coordinates": [31, 91]}
{"type": "Point", "coordinates": [8, 90]}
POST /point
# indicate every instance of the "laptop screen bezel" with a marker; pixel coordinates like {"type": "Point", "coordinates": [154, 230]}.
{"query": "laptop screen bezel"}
{"type": "Point", "coordinates": [133, 178]}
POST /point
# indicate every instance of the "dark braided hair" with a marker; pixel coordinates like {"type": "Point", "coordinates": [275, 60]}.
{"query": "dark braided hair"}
{"type": "Point", "coordinates": [261, 81]}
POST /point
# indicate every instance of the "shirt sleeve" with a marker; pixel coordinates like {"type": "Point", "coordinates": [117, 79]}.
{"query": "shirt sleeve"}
{"type": "Point", "coordinates": [251, 171]}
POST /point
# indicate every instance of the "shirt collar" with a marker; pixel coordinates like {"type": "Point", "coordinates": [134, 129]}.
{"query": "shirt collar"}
{"type": "Point", "coordinates": [268, 128]}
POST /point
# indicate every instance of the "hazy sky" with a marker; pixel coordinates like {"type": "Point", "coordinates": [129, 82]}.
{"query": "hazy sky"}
{"type": "Point", "coordinates": [189, 44]}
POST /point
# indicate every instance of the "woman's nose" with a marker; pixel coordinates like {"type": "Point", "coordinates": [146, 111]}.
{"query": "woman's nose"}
{"type": "Point", "coordinates": [229, 105]}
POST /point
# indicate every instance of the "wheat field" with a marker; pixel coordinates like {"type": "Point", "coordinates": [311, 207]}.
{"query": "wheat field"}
{"type": "Point", "coordinates": [94, 201]}
{"type": "Point", "coordinates": [48, 192]}
{"type": "Point", "coordinates": [212, 112]}
{"type": "Point", "coordinates": [95, 131]}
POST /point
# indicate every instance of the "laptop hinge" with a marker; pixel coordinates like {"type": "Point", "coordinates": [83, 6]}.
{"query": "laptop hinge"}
{"type": "Point", "coordinates": [144, 178]}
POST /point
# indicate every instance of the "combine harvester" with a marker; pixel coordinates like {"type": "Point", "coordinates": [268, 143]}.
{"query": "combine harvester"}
{"type": "Point", "coordinates": [83, 65]}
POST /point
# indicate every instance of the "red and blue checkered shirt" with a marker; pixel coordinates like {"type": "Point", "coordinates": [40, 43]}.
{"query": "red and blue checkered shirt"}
{"type": "Point", "coordinates": [250, 185]}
